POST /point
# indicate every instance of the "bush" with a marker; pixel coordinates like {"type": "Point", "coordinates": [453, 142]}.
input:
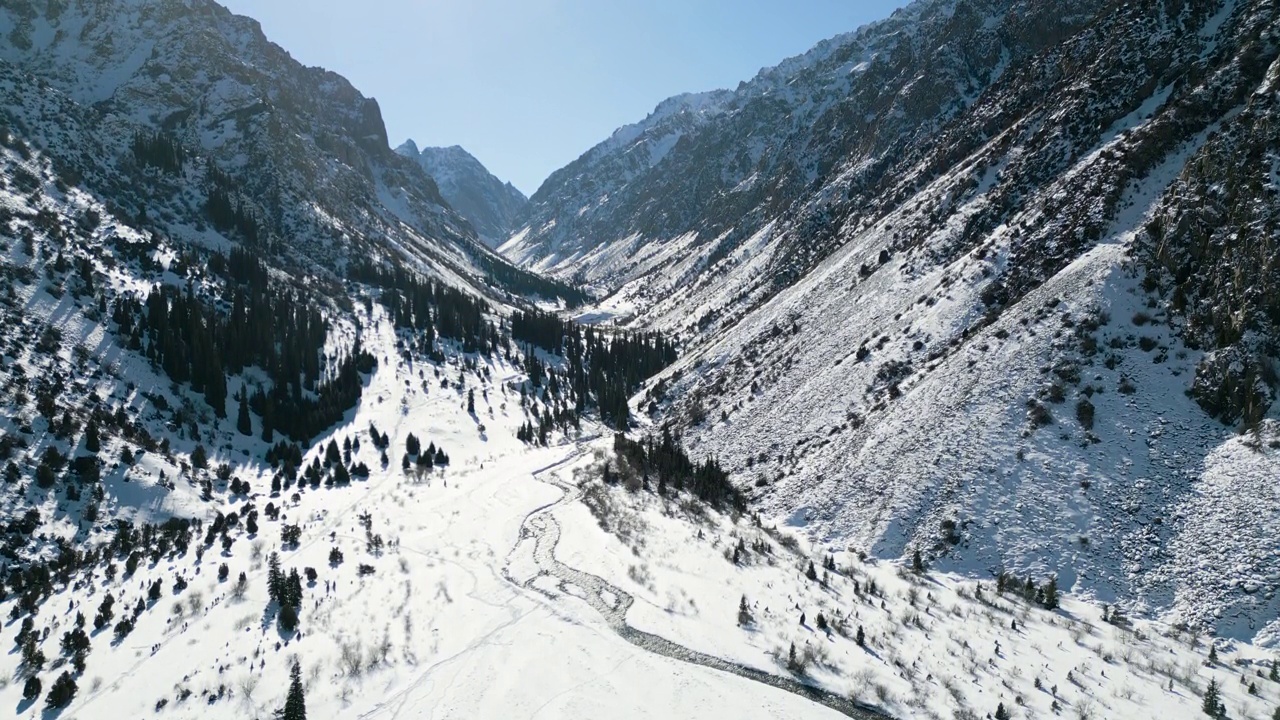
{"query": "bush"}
{"type": "Point", "coordinates": [1084, 413]}
{"type": "Point", "coordinates": [63, 690]}
{"type": "Point", "coordinates": [32, 688]}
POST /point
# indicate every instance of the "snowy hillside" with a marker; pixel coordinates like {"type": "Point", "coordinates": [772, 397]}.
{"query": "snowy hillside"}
{"type": "Point", "coordinates": [185, 116]}
{"type": "Point", "coordinates": [490, 205]}
{"type": "Point", "coordinates": [1014, 314]}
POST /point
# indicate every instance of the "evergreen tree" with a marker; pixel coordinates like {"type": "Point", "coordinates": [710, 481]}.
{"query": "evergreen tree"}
{"type": "Point", "coordinates": [91, 441]}
{"type": "Point", "coordinates": [243, 423]}
{"type": "Point", "coordinates": [62, 691]}
{"type": "Point", "coordinates": [275, 580]}
{"type": "Point", "coordinates": [811, 572]}
{"type": "Point", "coordinates": [1050, 600]}
{"type": "Point", "coordinates": [31, 688]}
{"type": "Point", "coordinates": [861, 637]}
{"type": "Point", "coordinates": [288, 617]}
{"type": "Point", "coordinates": [1213, 653]}
{"type": "Point", "coordinates": [1001, 713]}
{"type": "Point", "coordinates": [295, 705]}
{"type": "Point", "coordinates": [199, 458]}
{"type": "Point", "coordinates": [1275, 671]}
{"type": "Point", "coordinates": [1212, 704]}
{"type": "Point", "coordinates": [917, 563]}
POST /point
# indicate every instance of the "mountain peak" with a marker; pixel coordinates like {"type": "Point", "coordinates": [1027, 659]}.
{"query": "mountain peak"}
{"type": "Point", "coordinates": [408, 148]}
{"type": "Point", "coordinates": [492, 206]}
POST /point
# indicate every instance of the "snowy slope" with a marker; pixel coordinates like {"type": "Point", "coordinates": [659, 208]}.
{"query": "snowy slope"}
{"type": "Point", "coordinates": [935, 644]}
{"type": "Point", "coordinates": [298, 150]}
{"type": "Point", "coordinates": [1033, 337]}
{"type": "Point", "coordinates": [423, 633]}
{"type": "Point", "coordinates": [1019, 321]}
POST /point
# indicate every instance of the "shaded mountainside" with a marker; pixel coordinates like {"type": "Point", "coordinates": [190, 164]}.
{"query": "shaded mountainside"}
{"type": "Point", "coordinates": [988, 280]}
{"type": "Point", "coordinates": [184, 116]}
{"type": "Point", "coordinates": [490, 205]}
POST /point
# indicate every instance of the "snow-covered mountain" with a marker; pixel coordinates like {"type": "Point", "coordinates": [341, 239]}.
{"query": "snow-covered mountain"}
{"type": "Point", "coordinates": [295, 158]}
{"type": "Point", "coordinates": [492, 206]}
{"type": "Point", "coordinates": [983, 266]}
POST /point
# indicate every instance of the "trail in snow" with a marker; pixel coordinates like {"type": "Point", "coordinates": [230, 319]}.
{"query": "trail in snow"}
{"type": "Point", "coordinates": [542, 529]}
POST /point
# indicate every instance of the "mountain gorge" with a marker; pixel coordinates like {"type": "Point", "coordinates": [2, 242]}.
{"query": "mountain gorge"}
{"type": "Point", "coordinates": [954, 339]}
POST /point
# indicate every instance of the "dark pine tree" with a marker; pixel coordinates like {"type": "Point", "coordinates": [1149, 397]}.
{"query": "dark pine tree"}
{"type": "Point", "coordinates": [243, 423]}
{"type": "Point", "coordinates": [91, 440]}
{"type": "Point", "coordinates": [295, 704]}
{"type": "Point", "coordinates": [1212, 704]}
{"type": "Point", "coordinates": [1050, 600]}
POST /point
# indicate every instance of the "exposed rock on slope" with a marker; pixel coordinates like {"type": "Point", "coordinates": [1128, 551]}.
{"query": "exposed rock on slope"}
{"type": "Point", "coordinates": [291, 159]}
{"type": "Point", "coordinates": [491, 205]}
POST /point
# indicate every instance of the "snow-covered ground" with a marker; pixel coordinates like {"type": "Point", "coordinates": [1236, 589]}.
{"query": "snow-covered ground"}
{"type": "Point", "coordinates": [435, 631]}
{"type": "Point", "coordinates": [936, 644]}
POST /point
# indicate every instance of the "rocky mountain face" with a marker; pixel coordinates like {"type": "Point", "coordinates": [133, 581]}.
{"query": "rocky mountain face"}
{"type": "Point", "coordinates": [988, 280]}
{"type": "Point", "coordinates": [294, 159]}
{"type": "Point", "coordinates": [734, 160]}
{"type": "Point", "coordinates": [490, 205]}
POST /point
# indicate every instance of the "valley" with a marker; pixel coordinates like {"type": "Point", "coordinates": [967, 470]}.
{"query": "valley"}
{"type": "Point", "coordinates": [928, 374]}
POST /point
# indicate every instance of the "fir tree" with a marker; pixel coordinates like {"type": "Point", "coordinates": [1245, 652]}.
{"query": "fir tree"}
{"type": "Point", "coordinates": [1001, 713]}
{"type": "Point", "coordinates": [243, 423]}
{"type": "Point", "coordinates": [62, 691]}
{"type": "Point", "coordinates": [917, 563]}
{"type": "Point", "coordinates": [861, 637]}
{"type": "Point", "coordinates": [295, 705]}
{"type": "Point", "coordinates": [91, 441]}
{"type": "Point", "coordinates": [1213, 654]}
{"type": "Point", "coordinates": [1050, 600]}
{"type": "Point", "coordinates": [31, 688]}
{"type": "Point", "coordinates": [199, 458]}
{"type": "Point", "coordinates": [275, 581]}
{"type": "Point", "coordinates": [811, 573]}
{"type": "Point", "coordinates": [1212, 704]}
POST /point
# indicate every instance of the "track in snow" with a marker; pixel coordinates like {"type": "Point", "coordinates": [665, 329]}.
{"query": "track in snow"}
{"type": "Point", "coordinates": [543, 530]}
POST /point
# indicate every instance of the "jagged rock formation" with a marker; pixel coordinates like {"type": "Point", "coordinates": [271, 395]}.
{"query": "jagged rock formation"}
{"type": "Point", "coordinates": [491, 206]}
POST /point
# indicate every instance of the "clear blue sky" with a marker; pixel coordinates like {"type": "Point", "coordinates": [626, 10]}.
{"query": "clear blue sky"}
{"type": "Point", "coordinates": [529, 85]}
